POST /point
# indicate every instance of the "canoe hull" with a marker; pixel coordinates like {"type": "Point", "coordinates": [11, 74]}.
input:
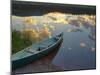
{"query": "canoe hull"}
{"type": "Point", "coordinates": [21, 62]}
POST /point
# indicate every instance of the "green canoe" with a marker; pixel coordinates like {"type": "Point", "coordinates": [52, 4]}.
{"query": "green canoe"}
{"type": "Point", "coordinates": [35, 51]}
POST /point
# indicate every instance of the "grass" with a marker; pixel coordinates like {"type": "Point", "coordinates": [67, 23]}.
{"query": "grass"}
{"type": "Point", "coordinates": [19, 43]}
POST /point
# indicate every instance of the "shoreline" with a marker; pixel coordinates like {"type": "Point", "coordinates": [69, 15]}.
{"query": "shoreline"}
{"type": "Point", "coordinates": [20, 7]}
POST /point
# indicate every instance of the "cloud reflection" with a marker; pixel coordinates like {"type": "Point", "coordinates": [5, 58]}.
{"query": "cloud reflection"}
{"type": "Point", "coordinates": [39, 27]}
{"type": "Point", "coordinates": [34, 35]}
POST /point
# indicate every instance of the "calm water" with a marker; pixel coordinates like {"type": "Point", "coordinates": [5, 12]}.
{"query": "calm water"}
{"type": "Point", "coordinates": [71, 55]}
{"type": "Point", "coordinates": [78, 49]}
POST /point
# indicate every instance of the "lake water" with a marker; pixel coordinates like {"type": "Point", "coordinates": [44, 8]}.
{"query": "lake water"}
{"type": "Point", "coordinates": [71, 55]}
{"type": "Point", "coordinates": [78, 50]}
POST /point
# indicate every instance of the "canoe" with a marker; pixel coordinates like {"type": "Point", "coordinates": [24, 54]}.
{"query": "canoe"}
{"type": "Point", "coordinates": [35, 52]}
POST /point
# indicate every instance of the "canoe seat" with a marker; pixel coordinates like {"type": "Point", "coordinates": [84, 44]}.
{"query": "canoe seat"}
{"type": "Point", "coordinates": [31, 51]}
{"type": "Point", "coordinates": [41, 48]}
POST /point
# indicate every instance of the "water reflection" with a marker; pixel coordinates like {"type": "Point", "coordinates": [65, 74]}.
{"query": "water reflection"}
{"type": "Point", "coordinates": [78, 48]}
{"type": "Point", "coordinates": [36, 36]}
